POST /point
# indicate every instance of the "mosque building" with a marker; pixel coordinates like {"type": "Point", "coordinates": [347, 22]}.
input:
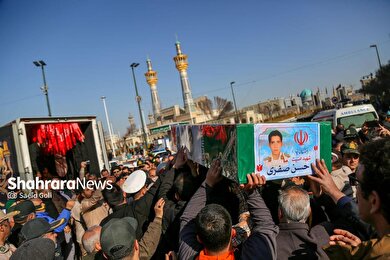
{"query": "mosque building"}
{"type": "Point", "coordinates": [191, 113]}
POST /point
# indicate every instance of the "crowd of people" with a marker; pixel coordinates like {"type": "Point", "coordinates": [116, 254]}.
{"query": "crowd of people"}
{"type": "Point", "coordinates": [174, 208]}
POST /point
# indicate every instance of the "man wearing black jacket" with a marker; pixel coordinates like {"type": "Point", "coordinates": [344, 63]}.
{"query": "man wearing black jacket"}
{"type": "Point", "coordinates": [177, 187]}
{"type": "Point", "coordinates": [138, 209]}
{"type": "Point", "coordinates": [261, 244]}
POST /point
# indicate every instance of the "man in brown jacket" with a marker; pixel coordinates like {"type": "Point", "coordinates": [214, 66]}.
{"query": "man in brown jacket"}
{"type": "Point", "coordinates": [373, 193]}
{"type": "Point", "coordinates": [93, 209]}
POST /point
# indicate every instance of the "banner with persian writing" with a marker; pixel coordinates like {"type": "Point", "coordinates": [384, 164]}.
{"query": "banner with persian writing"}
{"type": "Point", "coordinates": [285, 150]}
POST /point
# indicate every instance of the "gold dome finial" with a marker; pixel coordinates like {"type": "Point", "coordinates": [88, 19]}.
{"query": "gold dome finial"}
{"type": "Point", "coordinates": [150, 75]}
{"type": "Point", "coordinates": [180, 59]}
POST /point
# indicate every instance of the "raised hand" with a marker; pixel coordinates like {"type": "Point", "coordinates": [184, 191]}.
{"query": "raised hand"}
{"type": "Point", "coordinates": [324, 179]}
{"type": "Point", "coordinates": [214, 174]}
{"type": "Point", "coordinates": [383, 131]}
{"type": "Point", "coordinates": [315, 187]}
{"type": "Point", "coordinates": [343, 237]}
{"type": "Point", "coordinates": [159, 208]}
{"type": "Point", "coordinates": [171, 255]}
{"type": "Point", "coordinates": [194, 167]}
{"type": "Point", "coordinates": [83, 165]}
{"type": "Point", "coordinates": [254, 181]}
{"type": "Point", "coordinates": [181, 158]}
{"type": "Point", "coordinates": [70, 204]}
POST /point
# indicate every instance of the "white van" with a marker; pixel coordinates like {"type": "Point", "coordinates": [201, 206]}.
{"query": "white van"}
{"type": "Point", "coordinates": [356, 115]}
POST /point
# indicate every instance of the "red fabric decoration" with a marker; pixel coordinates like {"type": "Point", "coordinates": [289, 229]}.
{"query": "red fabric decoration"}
{"type": "Point", "coordinates": [57, 138]}
{"type": "Point", "coordinates": [218, 132]}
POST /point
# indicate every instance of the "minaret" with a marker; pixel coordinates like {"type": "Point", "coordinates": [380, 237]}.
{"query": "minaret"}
{"type": "Point", "coordinates": [131, 120]}
{"type": "Point", "coordinates": [182, 65]}
{"type": "Point", "coordinates": [151, 79]}
{"type": "Point", "coordinates": [133, 127]}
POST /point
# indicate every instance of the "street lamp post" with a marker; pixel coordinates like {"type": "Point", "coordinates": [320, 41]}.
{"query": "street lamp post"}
{"type": "Point", "coordinates": [45, 89]}
{"type": "Point", "coordinates": [103, 98]}
{"type": "Point", "coordinates": [138, 98]}
{"type": "Point", "coordinates": [234, 101]}
{"type": "Point", "coordinates": [377, 55]}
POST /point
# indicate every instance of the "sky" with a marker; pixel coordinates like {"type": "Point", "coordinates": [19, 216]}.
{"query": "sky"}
{"type": "Point", "coordinates": [269, 48]}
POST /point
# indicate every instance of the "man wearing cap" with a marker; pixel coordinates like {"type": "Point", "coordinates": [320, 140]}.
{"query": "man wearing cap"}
{"type": "Point", "coordinates": [40, 212]}
{"type": "Point", "coordinates": [26, 211]}
{"type": "Point", "coordinates": [138, 208]}
{"type": "Point", "coordinates": [351, 135]}
{"type": "Point", "coordinates": [350, 154]}
{"type": "Point", "coordinates": [118, 237]}
{"type": "Point", "coordinates": [6, 248]}
{"type": "Point", "coordinates": [136, 185]}
{"type": "Point", "coordinates": [38, 248]}
{"type": "Point", "coordinates": [144, 165]}
{"type": "Point", "coordinates": [39, 227]}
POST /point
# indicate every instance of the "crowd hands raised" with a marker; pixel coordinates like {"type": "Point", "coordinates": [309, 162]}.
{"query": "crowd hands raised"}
{"type": "Point", "coordinates": [177, 209]}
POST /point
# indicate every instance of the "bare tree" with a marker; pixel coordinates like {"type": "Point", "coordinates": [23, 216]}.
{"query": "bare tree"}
{"type": "Point", "coordinates": [221, 105]}
{"type": "Point", "coordinates": [206, 106]}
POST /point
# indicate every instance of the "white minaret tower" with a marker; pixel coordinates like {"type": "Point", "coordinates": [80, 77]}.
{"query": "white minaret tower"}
{"type": "Point", "coordinates": [182, 65]}
{"type": "Point", "coordinates": [151, 79]}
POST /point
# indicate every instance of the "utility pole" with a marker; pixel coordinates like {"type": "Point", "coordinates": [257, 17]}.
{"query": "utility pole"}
{"type": "Point", "coordinates": [45, 89]}
{"type": "Point", "coordinates": [377, 55]}
{"type": "Point", "coordinates": [234, 101]}
{"type": "Point", "coordinates": [138, 98]}
{"type": "Point", "coordinates": [103, 98]}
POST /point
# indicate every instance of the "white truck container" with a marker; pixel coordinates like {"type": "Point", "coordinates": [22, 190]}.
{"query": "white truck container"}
{"type": "Point", "coordinates": [356, 115]}
{"type": "Point", "coordinates": [18, 154]}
